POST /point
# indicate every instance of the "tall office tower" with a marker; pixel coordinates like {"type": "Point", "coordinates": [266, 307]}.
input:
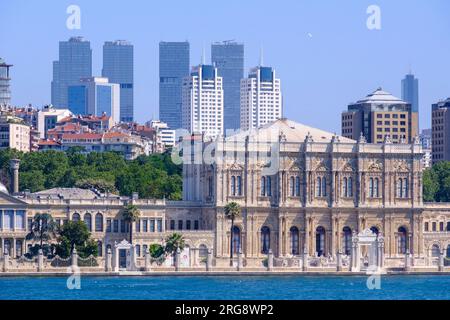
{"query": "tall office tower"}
{"type": "Point", "coordinates": [261, 99]}
{"type": "Point", "coordinates": [228, 58]}
{"type": "Point", "coordinates": [440, 131]}
{"type": "Point", "coordinates": [410, 94]}
{"type": "Point", "coordinates": [118, 67]}
{"type": "Point", "coordinates": [378, 116]}
{"type": "Point", "coordinates": [202, 102]}
{"type": "Point", "coordinates": [5, 79]}
{"type": "Point", "coordinates": [173, 67]}
{"type": "Point", "coordinates": [75, 62]}
{"type": "Point", "coordinates": [95, 96]}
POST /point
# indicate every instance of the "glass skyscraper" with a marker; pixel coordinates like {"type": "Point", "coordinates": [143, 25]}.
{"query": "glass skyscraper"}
{"type": "Point", "coordinates": [228, 57]}
{"type": "Point", "coordinates": [410, 91]}
{"type": "Point", "coordinates": [5, 91]}
{"type": "Point", "coordinates": [173, 67]}
{"type": "Point", "coordinates": [75, 62]}
{"type": "Point", "coordinates": [118, 67]}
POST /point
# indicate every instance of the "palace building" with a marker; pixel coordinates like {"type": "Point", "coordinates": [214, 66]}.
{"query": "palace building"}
{"type": "Point", "coordinates": [301, 191]}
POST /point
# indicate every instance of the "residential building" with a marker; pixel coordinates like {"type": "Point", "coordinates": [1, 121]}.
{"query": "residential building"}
{"type": "Point", "coordinates": [118, 67]}
{"type": "Point", "coordinates": [48, 117]}
{"type": "Point", "coordinates": [261, 98]}
{"type": "Point", "coordinates": [14, 133]}
{"type": "Point", "coordinates": [75, 62]}
{"type": "Point", "coordinates": [440, 127]}
{"type": "Point", "coordinates": [378, 117]}
{"type": "Point", "coordinates": [164, 135]}
{"type": "Point", "coordinates": [95, 96]}
{"type": "Point", "coordinates": [203, 102]}
{"type": "Point", "coordinates": [173, 67]}
{"type": "Point", "coordinates": [228, 58]}
{"type": "Point", "coordinates": [5, 83]}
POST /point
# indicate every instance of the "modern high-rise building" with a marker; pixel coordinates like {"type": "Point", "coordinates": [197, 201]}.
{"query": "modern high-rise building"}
{"type": "Point", "coordinates": [440, 131]}
{"type": "Point", "coordinates": [118, 67]}
{"type": "Point", "coordinates": [75, 62]}
{"type": "Point", "coordinates": [5, 79]}
{"type": "Point", "coordinates": [173, 67]}
{"type": "Point", "coordinates": [410, 91]}
{"type": "Point", "coordinates": [95, 96]}
{"type": "Point", "coordinates": [261, 98]}
{"type": "Point", "coordinates": [228, 58]}
{"type": "Point", "coordinates": [380, 116]}
{"type": "Point", "coordinates": [202, 102]}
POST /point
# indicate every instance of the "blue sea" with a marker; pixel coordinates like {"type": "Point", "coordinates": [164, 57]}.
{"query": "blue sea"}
{"type": "Point", "coordinates": [226, 287]}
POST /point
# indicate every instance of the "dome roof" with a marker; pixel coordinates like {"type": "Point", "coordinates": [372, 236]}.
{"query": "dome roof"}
{"type": "Point", "coordinates": [380, 96]}
{"type": "Point", "coordinates": [3, 188]}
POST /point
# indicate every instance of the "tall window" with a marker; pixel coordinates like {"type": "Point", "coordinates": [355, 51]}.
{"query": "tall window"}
{"type": "Point", "coordinates": [269, 186]}
{"type": "Point", "coordinates": [371, 187]}
{"type": "Point", "coordinates": [292, 186]}
{"type": "Point", "coordinates": [265, 240]}
{"type": "Point", "coordinates": [263, 186]}
{"type": "Point", "coordinates": [348, 187]}
{"type": "Point", "coordinates": [98, 222]}
{"type": "Point", "coordinates": [402, 240]}
{"type": "Point", "coordinates": [405, 188]}
{"type": "Point", "coordinates": [88, 221]}
{"type": "Point", "coordinates": [345, 187]}
{"type": "Point", "coordinates": [324, 187]}
{"type": "Point", "coordinates": [376, 188]}
{"type": "Point", "coordinates": [233, 185]}
{"type": "Point", "coordinates": [236, 240]}
{"type": "Point", "coordinates": [347, 240]}
{"type": "Point", "coordinates": [319, 187]}
{"type": "Point", "coordinates": [239, 186]}
{"type": "Point", "coordinates": [297, 186]}
{"type": "Point", "coordinates": [210, 186]}
{"type": "Point", "coordinates": [294, 241]}
{"type": "Point", "coordinates": [435, 251]}
{"type": "Point", "coordinates": [100, 248]}
{"type": "Point", "coordinates": [75, 217]}
{"type": "Point", "coordinates": [320, 241]}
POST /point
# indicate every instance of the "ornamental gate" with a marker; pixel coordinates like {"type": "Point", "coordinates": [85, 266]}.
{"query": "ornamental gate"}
{"type": "Point", "coordinates": [374, 261]}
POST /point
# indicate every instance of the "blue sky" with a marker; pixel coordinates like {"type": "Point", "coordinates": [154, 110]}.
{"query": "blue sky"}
{"type": "Point", "coordinates": [323, 52]}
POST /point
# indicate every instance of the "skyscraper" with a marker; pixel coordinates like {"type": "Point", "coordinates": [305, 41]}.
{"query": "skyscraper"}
{"type": "Point", "coordinates": [440, 131]}
{"type": "Point", "coordinates": [173, 67]}
{"type": "Point", "coordinates": [261, 99]}
{"type": "Point", "coordinates": [202, 102]}
{"type": "Point", "coordinates": [5, 79]}
{"type": "Point", "coordinates": [95, 96]}
{"type": "Point", "coordinates": [118, 67]}
{"type": "Point", "coordinates": [75, 62]}
{"type": "Point", "coordinates": [228, 57]}
{"type": "Point", "coordinates": [410, 91]}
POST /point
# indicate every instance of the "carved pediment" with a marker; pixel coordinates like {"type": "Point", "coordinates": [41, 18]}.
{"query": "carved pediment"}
{"type": "Point", "coordinates": [6, 199]}
{"type": "Point", "coordinates": [401, 166]}
{"type": "Point", "coordinates": [235, 166]}
{"type": "Point", "coordinates": [292, 164]}
{"type": "Point", "coordinates": [348, 167]}
{"type": "Point", "coordinates": [375, 166]}
{"type": "Point", "coordinates": [319, 165]}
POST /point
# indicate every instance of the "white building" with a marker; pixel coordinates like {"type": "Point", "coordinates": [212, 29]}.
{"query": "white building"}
{"type": "Point", "coordinates": [202, 102]}
{"type": "Point", "coordinates": [164, 135]}
{"type": "Point", "coordinates": [261, 99]}
{"type": "Point", "coordinates": [14, 133]}
{"type": "Point", "coordinates": [48, 117]}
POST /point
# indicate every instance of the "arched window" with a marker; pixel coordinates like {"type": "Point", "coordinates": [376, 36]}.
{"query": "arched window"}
{"type": "Point", "coordinates": [269, 186]}
{"type": "Point", "coordinates": [345, 187]}
{"type": "Point", "coordinates": [100, 248]}
{"type": "Point", "coordinates": [202, 251]}
{"type": "Point", "coordinates": [376, 188]}
{"type": "Point", "coordinates": [233, 185]}
{"type": "Point", "coordinates": [399, 188]}
{"type": "Point", "coordinates": [76, 217]}
{"type": "Point", "coordinates": [297, 186]}
{"type": "Point", "coordinates": [375, 230]}
{"type": "Point", "coordinates": [324, 187]}
{"type": "Point", "coordinates": [320, 241]}
{"type": "Point", "coordinates": [263, 186]}
{"type": "Point", "coordinates": [319, 187]}
{"type": "Point", "coordinates": [371, 187]}
{"type": "Point", "coordinates": [347, 240]}
{"type": "Point", "coordinates": [88, 221]}
{"type": "Point", "coordinates": [7, 247]}
{"type": "Point", "coordinates": [405, 188]}
{"type": "Point", "coordinates": [294, 241]}
{"type": "Point", "coordinates": [292, 186]}
{"type": "Point", "coordinates": [239, 186]}
{"type": "Point", "coordinates": [435, 251]}
{"type": "Point", "coordinates": [19, 252]}
{"type": "Point", "coordinates": [350, 187]}
{"type": "Point", "coordinates": [99, 222]}
{"type": "Point", "coordinates": [236, 241]}
{"type": "Point", "coordinates": [265, 240]}
{"type": "Point", "coordinates": [402, 243]}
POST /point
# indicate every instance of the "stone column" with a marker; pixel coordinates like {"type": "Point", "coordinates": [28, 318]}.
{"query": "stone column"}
{"type": "Point", "coordinates": [407, 261]}
{"type": "Point", "coordinates": [108, 263]}
{"type": "Point", "coordinates": [339, 261]}
{"type": "Point", "coordinates": [441, 261]}
{"type": "Point", "coordinates": [209, 260]}
{"type": "Point", "coordinates": [355, 257]}
{"type": "Point", "coordinates": [40, 261]}
{"type": "Point", "coordinates": [270, 261]}
{"type": "Point", "coordinates": [240, 261]}
{"type": "Point", "coordinates": [14, 166]}
{"type": "Point", "coordinates": [177, 260]}
{"type": "Point", "coordinates": [74, 258]}
{"type": "Point", "coordinates": [305, 259]}
{"type": "Point", "coordinates": [147, 260]}
{"type": "Point", "coordinates": [5, 260]}
{"type": "Point", "coordinates": [380, 253]}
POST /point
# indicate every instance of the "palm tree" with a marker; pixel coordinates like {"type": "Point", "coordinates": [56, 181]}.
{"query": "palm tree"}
{"type": "Point", "coordinates": [43, 228]}
{"type": "Point", "coordinates": [174, 242]}
{"type": "Point", "coordinates": [232, 210]}
{"type": "Point", "coordinates": [130, 214]}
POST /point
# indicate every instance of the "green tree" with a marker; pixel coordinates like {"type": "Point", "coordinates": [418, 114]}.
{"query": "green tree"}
{"type": "Point", "coordinates": [130, 214]}
{"type": "Point", "coordinates": [430, 185]}
{"type": "Point", "coordinates": [75, 234]}
{"type": "Point", "coordinates": [232, 210]}
{"type": "Point", "coordinates": [156, 250]}
{"type": "Point", "coordinates": [43, 229]}
{"type": "Point", "coordinates": [174, 242]}
{"type": "Point", "coordinates": [99, 184]}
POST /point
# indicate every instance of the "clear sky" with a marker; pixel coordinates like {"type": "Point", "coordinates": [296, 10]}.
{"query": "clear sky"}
{"type": "Point", "coordinates": [323, 51]}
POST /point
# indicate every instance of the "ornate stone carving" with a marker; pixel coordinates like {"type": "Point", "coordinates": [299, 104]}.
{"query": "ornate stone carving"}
{"type": "Point", "coordinates": [376, 166]}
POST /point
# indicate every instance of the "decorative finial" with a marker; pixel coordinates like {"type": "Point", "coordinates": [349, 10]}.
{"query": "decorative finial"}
{"type": "Point", "coordinates": [362, 139]}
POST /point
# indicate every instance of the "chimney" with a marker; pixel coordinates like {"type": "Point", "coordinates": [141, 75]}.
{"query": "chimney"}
{"type": "Point", "coordinates": [14, 166]}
